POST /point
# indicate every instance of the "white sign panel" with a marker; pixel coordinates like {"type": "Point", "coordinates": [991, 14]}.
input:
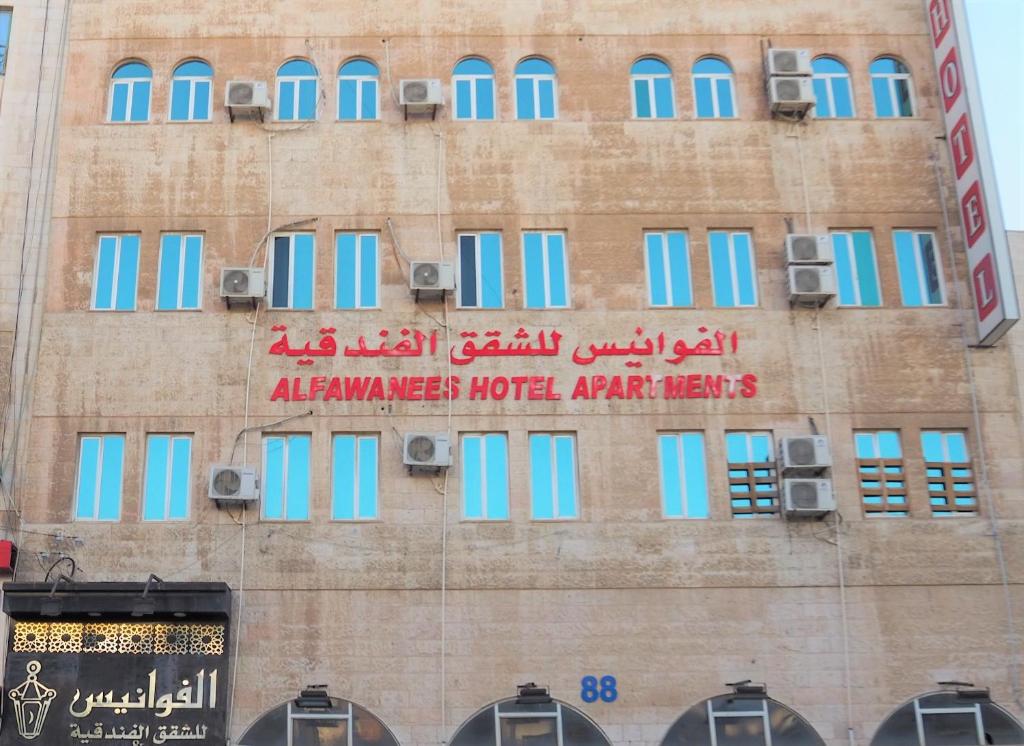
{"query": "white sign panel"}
{"type": "Point", "coordinates": [996, 306]}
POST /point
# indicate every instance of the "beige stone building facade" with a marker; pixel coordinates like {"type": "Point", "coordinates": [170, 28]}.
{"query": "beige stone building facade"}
{"type": "Point", "coordinates": [555, 191]}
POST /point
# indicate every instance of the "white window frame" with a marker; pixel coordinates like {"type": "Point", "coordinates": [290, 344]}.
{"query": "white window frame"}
{"type": "Point", "coordinates": [677, 436]}
{"type": "Point", "coordinates": [556, 716]}
{"type": "Point", "coordinates": [921, 712]}
{"type": "Point", "coordinates": [115, 281]}
{"type": "Point", "coordinates": [172, 437]}
{"type": "Point", "coordinates": [360, 80]}
{"type": "Point", "coordinates": [291, 273]}
{"type": "Point", "coordinates": [302, 715]}
{"type": "Point", "coordinates": [890, 87]}
{"type": "Point", "coordinates": [130, 83]}
{"type": "Point", "coordinates": [101, 437]}
{"type": "Point", "coordinates": [666, 268]}
{"type": "Point", "coordinates": [360, 306]}
{"type": "Point", "coordinates": [535, 79]}
{"type": "Point", "coordinates": [713, 715]}
{"type": "Point", "coordinates": [545, 235]}
{"type": "Point", "coordinates": [477, 248]}
{"type": "Point", "coordinates": [715, 103]}
{"type": "Point", "coordinates": [473, 95]}
{"type": "Point", "coordinates": [828, 78]}
{"type": "Point", "coordinates": [750, 450]}
{"type": "Point", "coordinates": [296, 105]}
{"type": "Point", "coordinates": [919, 274]}
{"type": "Point", "coordinates": [648, 79]}
{"type": "Point", "coordinates": [556, 514]}
{"type": "Point", "coordinates": [181, 271]}
{"type": "Point", "coordinates": [359, 437]}
{"type": "Point", "coordinates": [856, 272]}
{"type": "Point", "coordinates": [481, 436]}
{"type": "Point", "coordinates": [733, 274]}
{"type": "Point", "coordinates": [192, 80]}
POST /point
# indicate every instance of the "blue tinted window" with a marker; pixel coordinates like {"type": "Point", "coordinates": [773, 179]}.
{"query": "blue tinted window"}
{"type": "Point", "coordinates": [473, 86]}
{"type": "Point", "coordinates": [856, 270]}
{"type": "Point", "coordinates": [536, 92]}
{"type": "Point", "coordinates": [286, 480]}
{"type": "Point", "coordinates": [100, 476]}
{"type": "Point", "coordinates": [355, 477]}
{"type": "Point", "coordinates": [479, 271]}
{"type": "Point", "coordinates": [168, 467]}
{"type": "Point", "coordinates": [891, 88]}
{"type": "Point", "coordinates": [832, 90]}
{"type": "Point", "coordinates": [485, 477]}
{"type": "Point", "coordinates": [950, 475]}
{"type": "Point", "coordinates": [753, 481]}
{"type": "Point", "coordinates": [546, 271]}
{"type": "Point", "coordinates": [179, 274]}
{"type": "Point", "coordinates": [553, 476]}
{"type": "Point", "coordinates": [291, 271]}
{"type": "Point", "coordinates": [733, 271]}
{"type": "Point", "coordinates": [191, 86]}
{"type": "Point", "coordinates": [357, 271]}
{"type": "Point", "coordinates": [5, 37]}
{"type": "Point", "coordinates": [653, 95]}
{"type": "Point", "coordinates": [668, 269]}
{"type": "Point", "coordinates": [684, 482]}
{"type": "Point", "coordinates": [116, 273]}
{"type": "Point", "coordinates": [129, 93]}
{"type": "Point", "coordinates": [358, 86]}
{"type": "Point", "coordinates": [920, 268]}
{"type": "Point", "coordinates": [297, 91]}
{"type": "Point", "coordinates": [713, 89]}
{"type": "Point", "coordinates": [883, 487]}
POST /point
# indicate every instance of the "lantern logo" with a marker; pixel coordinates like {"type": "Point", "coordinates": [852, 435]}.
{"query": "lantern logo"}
{"type": "Point", "coordinates": [31, 703]}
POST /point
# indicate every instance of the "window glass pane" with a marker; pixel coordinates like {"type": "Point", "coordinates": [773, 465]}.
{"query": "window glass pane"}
{"type": "Point", "coordinates": [463, 100]}
{"type": "Point", "coordinates": [140, 101]}
{"type": "Point", "coordinates": [903, 101]}
{"type": "Point", "coordinates": [281, 271]}
{"type": "Point", "coordinates": [88, 467]}
{"type": "Point", "coordinates": [725, 103]}
{"type": "Point", "coordinates": [485, 98]}
{"type": "Point", "coordinates": [467, 271]}
{"type": "Point", "coordinates": [180, 93]}
{"type": "Point", "coordinates": [472, 477]}
{"type": "Point", "coordinates": [519, 731]}
{"type": "Point", "coordinates": [297, 487]}
{"type": "Point", "coordinates": [158, 454]}
{"type": "Point", "coordinates": [496, 448]}
{"type": "Point", "coordinates": [541, 488]}
{"type": "Point", "coordinates": [273, 481]}
{"type": "Point", "coordinates": [286, 100]}
{"type": "Point", "coordinates": [490, 270]}
{"type": "Point", "coordinates": [705, 103]}
{"type": "Point", "coordinates": [642, 93]}
{"type": "Point", "coordinates": [345, 271]}
{"type": "Point", "coordinates": [906, 262]}
{"type": "Point", "coordinates": [546, 94]}
{"type": "Point", "coordinates": [843, 97]}
{"type": "Point", "coordinates": [320, 732]}
{"type": "Point", "coordinates": [104, 280]}
{"type": "Point", "coordinates": [533, 258]}
{"type": "Point", "coordinates": [556, 270]}
{"type": "Point", "coordinates": [5, 36]}
{"type": "Point", "coordinates": [664, 105]}
{"type": "Point", "coordinates": [565, 460]}
{"type": "Point", "coordinates": [656, 275]}
{"type": "Point", "coordinates": [201, 100]}
{"type": "Point", "coordinates": [343, 478]}
{"type": "Point", "coordinates": [696, 479]}
{"type": "Point", "coordinates": [181, 458]}
{"type": "Point", "coordinates": [950, 729]}
{"type": "Point", "coordinates": [193, 270]}
{"type": "Point", "coordinates": [302, 273]}
{"type": "Point", "coordinates": [524, 98]}
{"type": "Point", "coordinates": [930, 266]}
{"type": "Point", "coordinates": [843, 250]}
{"type": "Point", "coordinates": [111, 465]}
{"type": "Point", "coordinates": [721, 269]}
{"type": "Point", "coordinates": [119, 102]}
{"type": "Point", "coordinates": [368, 271]}
{"type": "Point", "coordinates": [127, 273]}
{"type": "Point", "coordinates": [369, 101]}
{"type": "Point", "coordinates": [822, 110]}
{"type": "Point", "coordinates": [867, 275]}
{"type": "Point", "coordinates": [740, 731]}
{"type": "Point", "coordinates": [679, 269]}
{"type": "Point", "coordinates": [883, 99]}
{"type": "Point", "coordinates": [745, 280]}
{"type": "Point", "coordinates": [368, 470]}
{"type": "Point", "coordinates": [170, 262]}
{"type": "Point", "coordinates": [347, 99]}
{"type": "Point", "coordinates": [889, 444]}
{"type": "Point", "coordinates": [671, 476]}
{"type": "Point", "coordinates": [307, 99]}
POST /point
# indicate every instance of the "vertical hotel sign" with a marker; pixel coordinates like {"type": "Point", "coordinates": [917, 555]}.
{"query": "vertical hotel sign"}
{"type": "Point", "coordinates": [988, 254]}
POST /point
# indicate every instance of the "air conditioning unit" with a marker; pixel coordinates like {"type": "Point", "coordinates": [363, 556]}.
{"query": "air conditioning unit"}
{"type": "Point", "coordinates": [431, 279]}
{"type": "Point", "coordinates": [811, 284]}
{"type": "Point", "coordinates": [421, 94]}
{"type": "Point", "coordinates": [791, 95]}
{"type": "Point", "coordinates": [233, 484]}
{"type": "Point", "coordinates": [242, 283]}
{"type": "Point", "coordinates": [803, 248]}
{"type": "Point", "coordinates": [807, 498]}
{"type": "Point", "coordinates": [789, 62]}
{"type": "Point", "coordinates": [246, 94]}
{"type": "Point", "coordinates": [427, 451]}
{"type": "Point", "coordinates": [805, 453]}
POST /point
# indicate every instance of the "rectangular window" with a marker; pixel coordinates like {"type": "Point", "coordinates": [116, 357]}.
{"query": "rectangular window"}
{"type": "Point", "coordinates": [5, 37]}
{"type": "Point", "coordinates": [753, 480]}
{"type": "Point", "coordinates": [920, 268]}
{"type": "Point", "coordinates": [357, 270]}
{"type": "Point", "coordinates": [485, 477]}
{"type": "Point", "coordinates": [179, 273]}
{"type": "Point", "coordinates": [684, 479]}
{"type": "Point", "coordinates": [668, 269]}
{"type": "Point", "coordinates": [354, 478]}
{"type": "Point", "coordinates": [286, 477]}
{"type": "Point", "coordinates": [479, 271]}
{"type": "Point", "coordinates": [545, 270]}
{"type": "Point", "coordinates": [190, 98]}
{"type": "Point", "coordinates": [733, 271]}
{"type": "Point", "coordinates": [357, 98]}
{"type": "Point", "coordinates": [553, 476]}
{"type": "Point", "coordinates": [856, 269]}
{"type": "Point", "coordinates": [100, 474]}
{"type": "Point", "coordinates": [168, 468]}
{"type": "Point", "coordinates": [883, 488]}
{"type": "Point", "coordinates": [116, 273]}
{"type": "Point", "coordinates": [291, 271]}
{"type": "Point", "coordinates": [949, 472]}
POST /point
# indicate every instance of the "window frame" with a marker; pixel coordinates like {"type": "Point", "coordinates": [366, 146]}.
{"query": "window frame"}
{"type": "Point", "coordinates": [357, 272]}
{"type": "Point", "coordinates": [478, 259]}
{"type": "Point", "coordinates": [357, 516]}
{"type": "Point", "coordinates": [486, 514]}
{"type": "Point", "coordinates": [285, 461]}
{"type": "Point", "coordinates": [291, 272]}
{"type": "Point", "coordinates": [553, 436]}
{"type": "Point", "coordinates": [890, 89]}
{"type": "Point", "coordinates": [734, 275]}
{"type": "Point", "coordinates": [772, 465]}
{"type": "Point", "coordinates": [116, 274]}
{"type": "Point", "coordinates": [883, 508]}
{"type": "Point", "coordinates": [296, 80]}
{"type": "Point", "coordinates": [666, 268]}
{"type": "Point", "coordinates": [192, 80]}
{"type": "Point", "coordinates": [98, 497]}
{"type": "Point", "coordinates": [649, 80]}
{"type": "Point", "coordinates": [716, 105]}
{"type": "Point", "coordinates": [534, 79]}
{"type": "Point", "coordinates": [5, 41]}
{"type": "Point", "coordinates": [545, 254]}
{"type": "Point", "coordinates": [827, 78]}
{"type": "Point", "coordinates": [474, 93]}
{"type": "Point", "coordinates": [678, 437]}
{"type": "Point", "coordinates": [181, 272]}
{"type": "Point", "coordinates": [360, 81]}
{"type": "Point", "coordinates": [167, 518]}
{"type": "Point", "coordinates": [950, 509]}
{"type": "Point", "coordinates": [130, 83]}
{"type": "Point", "coordinates": [858, 290]}
{"type": "Point", "coordinates": [920, 275]}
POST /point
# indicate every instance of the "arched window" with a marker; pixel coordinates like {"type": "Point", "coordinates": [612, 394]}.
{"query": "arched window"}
{"type": "Point", "coordinates": [130, 87]}
{"type": "Point", "coordinates": [967, 716]}
{"type": "Point", "coordinates": [890, 84]}
{"type": "Point", "coordinates": [358, 97]}
{"type": "Point", "coordinates": [297, 91]}
{"type": "Point", "coordinates": [536, 89]}
{"type": "Point", "coordinates": [741, 719]}
{"type": "Point", "coordinates": [653, 97]}
{"type": "Point", "coordinates": [713, 89]}
{"type": "Point", "coordinates": [832, 89]}
{"type": "Point", "coordinates": [473, 86]}
{"type": "Point", "coordinates": [341, 724]}
{"type": "Point", "coordinates": [531, 718]}
{"type": "Point", "coordinates": [191, 88]}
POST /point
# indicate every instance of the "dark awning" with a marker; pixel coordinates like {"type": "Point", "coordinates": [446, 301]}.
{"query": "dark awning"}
{"type": "Point", "coordinates": [91, 600]}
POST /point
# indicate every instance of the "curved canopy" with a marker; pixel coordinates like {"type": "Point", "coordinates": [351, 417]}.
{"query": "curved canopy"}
{"type": "Point", "coordinates": [949, 717]}
{"type": "Point", "coordinates": [343, 723]}
{"type": "Point", "coordinates": [524, 724]}
{"type": "Point", "coordinates": [739, 720]}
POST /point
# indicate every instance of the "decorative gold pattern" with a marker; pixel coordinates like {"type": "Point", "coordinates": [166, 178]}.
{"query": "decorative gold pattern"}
{"type": "Point", "coordinates": [124, 639]}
